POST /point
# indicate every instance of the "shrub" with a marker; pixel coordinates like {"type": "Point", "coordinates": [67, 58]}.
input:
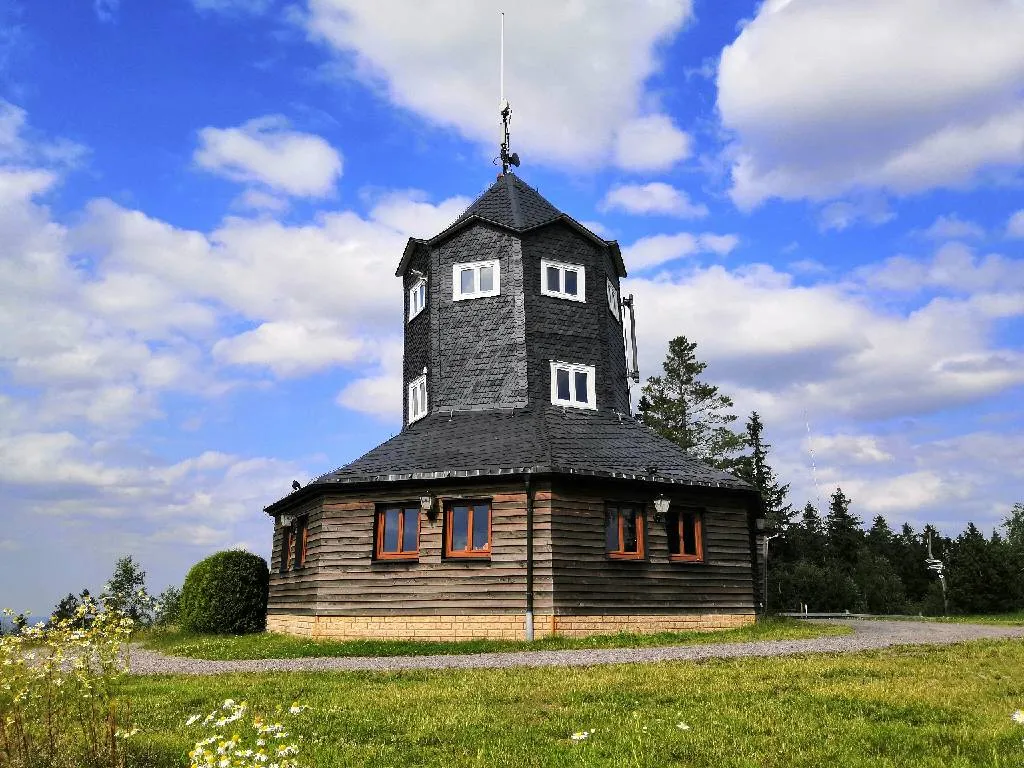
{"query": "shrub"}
{"type": "Point", "coordinates": [168, 608]}
{"type": "Point", "coordinates": [226, 594]}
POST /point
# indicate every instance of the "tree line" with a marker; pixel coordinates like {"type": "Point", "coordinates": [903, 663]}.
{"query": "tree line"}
{"type": "Point", "coordinates": [828, 560]}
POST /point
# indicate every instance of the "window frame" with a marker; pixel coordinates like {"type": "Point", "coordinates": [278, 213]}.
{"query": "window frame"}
{"type": "Point", "coordinates": [457, 294]}
{"type": "Point", "coordinates": [421, 379]}
{"type": "Point", "coordinates": [414, 292]}
{"type": "Point", "coordinates": [698, 517]}
{"type": "Point", "coordinates": [449, 516]}
{"type": "Point", "coordinates": [295, 545]}
{"type": "Point", "coordinates": [574, 368]}
{"type": "Point", "coordinates": [562, 267]}
{"type": "Point", "coordinates": [381, 516]}
{"type": "Point", "coordinates": [614, 305]}
{"type": "Point", "coordinates": [641, 530]}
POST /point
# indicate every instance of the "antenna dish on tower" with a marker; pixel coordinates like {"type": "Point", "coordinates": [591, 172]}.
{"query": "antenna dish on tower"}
{"type": "Point", "coordinates": [505, 110]}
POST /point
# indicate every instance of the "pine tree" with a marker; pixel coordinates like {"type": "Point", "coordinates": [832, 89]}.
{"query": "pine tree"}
{"type": "Point", "coordinates": [756, 471]}
{"type": "Point", "coordinates": [689, 412]}
{"type": "Point", "coordinates": [805, 540]}
{"type": "Point", "coordinates": [843, 533]}
{"type": "Point", "coordinates": [67, 609]}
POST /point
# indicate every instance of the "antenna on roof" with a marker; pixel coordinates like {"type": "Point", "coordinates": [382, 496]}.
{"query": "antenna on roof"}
{"type": "Point", "coordinates": [505, 110]}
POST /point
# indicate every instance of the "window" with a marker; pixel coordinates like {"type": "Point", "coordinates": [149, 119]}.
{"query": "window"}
{"type": "Point", "coordinates": [564, 281]}
{"type": "Point", "coordinates": [467, 530]}
{"type": "Point", "coordinates": [573, 385]}
{"type": "Point", "coordinates": [418, 399]}
{"type": "Point", "coordinates": [685, 542]}
{"type": "Point", "coordinates": [398, 533]}
{"type": "Point", "coordinates": [417, 298]}
{"type": "Point", "coordinates": [624, 531]}
{"type": "Point", "coordinates": [477, 279]}
{"type": "Point", "coordinates": [294, 542]}
{"type": "Point", "coordinates": [613, 300]}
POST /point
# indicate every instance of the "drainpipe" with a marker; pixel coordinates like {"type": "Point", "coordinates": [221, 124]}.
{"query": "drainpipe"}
{"type": "Point", "coordinates": [529, 559]}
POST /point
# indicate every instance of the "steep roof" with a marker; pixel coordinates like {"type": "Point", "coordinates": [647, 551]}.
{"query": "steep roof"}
{"type": "Point", "coordinates": [512, 204]}
{"type": "Point", "coordinates": [544, 439]}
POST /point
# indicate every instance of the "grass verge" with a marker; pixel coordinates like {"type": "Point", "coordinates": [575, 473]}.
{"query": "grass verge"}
{"type": "Point", "coordinates": [911, 706]}
{"type": "Point", "coordinates": [1014, 619]}
{"type": "Point", "coordinates": [269, 645]}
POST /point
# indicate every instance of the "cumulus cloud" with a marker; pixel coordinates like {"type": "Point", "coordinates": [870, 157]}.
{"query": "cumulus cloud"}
{"type": "Point", "coordinates": [1015, 225]}
{"type": "Point", "coordinates": [953, 228]}
{"type": "Point", "coordinates": [653, 198]}
{"type": "Point", "coordinates": [827, 96]}
{"type": "Point", "coordinates": [651, 143]}
{"type": "Point", "coordinates": [266, 151]}
{"type": "Point", "coordinates": [954, 267]}
{"type": "Point", "coordinates": [574, 73]}
{"type": "Point", "coordinates": [652, 251]}
{"type": "Point", "coordinates": [843, 214]}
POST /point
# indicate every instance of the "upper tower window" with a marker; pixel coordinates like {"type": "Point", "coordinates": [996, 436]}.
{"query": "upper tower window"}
{"type": "Point", "coordinates": [476, 279]}
{"type": "Point", "coordinates": [613, 300]}
{"type": "Point", "coordinates": [417, 297]}
{"type": "Point", "coordinates": [565, 281]}
{"type": "Point", "coordinates": [573, 384]}
{"type": "Point", "coordinates": [418, 399]}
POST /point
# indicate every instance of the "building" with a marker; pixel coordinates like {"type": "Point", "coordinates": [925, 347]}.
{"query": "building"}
{"type": "Point", "coordinates": [520, 498]}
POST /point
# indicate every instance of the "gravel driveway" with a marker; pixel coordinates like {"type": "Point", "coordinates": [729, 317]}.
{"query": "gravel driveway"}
{"type": "Point", "coordinates": [866, 635]}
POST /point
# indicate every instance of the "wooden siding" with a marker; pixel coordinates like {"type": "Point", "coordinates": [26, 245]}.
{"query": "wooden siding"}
{"type": "Point", "coordinates": [587, 581]}
{"type": "Point", "coordinates": [342, 577]}
{"type": "Point", "coordinates": [572, 573]}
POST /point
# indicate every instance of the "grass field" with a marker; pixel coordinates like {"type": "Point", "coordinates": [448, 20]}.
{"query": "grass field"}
{"type": "Point", "coordinates": [913, 706]}
{"type": "Point", "coordinates": [269, 645]}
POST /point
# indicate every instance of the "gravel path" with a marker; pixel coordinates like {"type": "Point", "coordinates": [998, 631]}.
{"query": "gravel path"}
{"type": "Point", "coordinates": [866, 635]}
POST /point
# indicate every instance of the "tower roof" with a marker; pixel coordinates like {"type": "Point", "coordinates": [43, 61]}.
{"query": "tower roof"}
{"type": "Point", "coordinates": [512, 204]}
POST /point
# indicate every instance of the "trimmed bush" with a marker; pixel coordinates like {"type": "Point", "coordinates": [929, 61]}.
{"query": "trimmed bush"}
{"type": "Point", "coordinates": [226, 594]}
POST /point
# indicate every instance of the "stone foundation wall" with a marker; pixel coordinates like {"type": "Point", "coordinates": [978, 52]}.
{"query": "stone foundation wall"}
{"type": "Point", "coordinates": [493, 627]}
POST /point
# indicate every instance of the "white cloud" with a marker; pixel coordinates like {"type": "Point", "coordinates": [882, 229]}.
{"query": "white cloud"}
{"type": "Point", "coordinates": [651, 143]}
{"type": "Point", "coordinates": [858, 449]}
{"type": "Point", "coordinates": [267, 151]}
{"type": "Point", "coordinates": [574, 72]}
{"type": "Point", "coordinates": [843, 214]}
{"type": "Point", "coordinates": [1015, 225]}
{"type": "Point", "coordinates": [653, 198]}
{"type": "Point", "coordinates": [954, 267]}
{"type": "Point", "coordinates": [659, 249]}
{"type": "Point", "coordinates": [291, 348]}
{"type": "Point", "coordinates": [379, 394]}
{"type": "Point", "coordinates": [260, 200]}
{"type": "Point", "coordinates": [106, 10]}
{"type": "Point", "coordinates": [953, 228]}
{"type": "Point", "coordinates": [828, 96]}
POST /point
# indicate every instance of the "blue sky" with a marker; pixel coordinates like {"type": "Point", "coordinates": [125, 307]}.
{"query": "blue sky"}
{"type": "Point", "coordinates": [202, 203]}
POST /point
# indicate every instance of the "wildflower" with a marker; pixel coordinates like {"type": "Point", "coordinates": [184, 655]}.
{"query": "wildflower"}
{"type": "Point", "coordinates": [192, 720]}
{"type": "Point", "coordinates": [1018, 716]}
{"type": "Point", "coordinates": [682, 726]}
{"type": "Point", "coordinates": [295, 709]}
{"type": "Point", "coordinates": [581, 735]}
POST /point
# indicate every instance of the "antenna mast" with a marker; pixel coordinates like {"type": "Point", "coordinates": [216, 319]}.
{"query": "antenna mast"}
{"type": "Point", "coordinates": [507, 158]}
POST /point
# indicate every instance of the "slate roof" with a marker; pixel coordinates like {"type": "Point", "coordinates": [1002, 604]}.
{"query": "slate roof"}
{"type": "Point", "coordinates": [543, 439]}
{"type": "Point", "coordinates": [511, 204]}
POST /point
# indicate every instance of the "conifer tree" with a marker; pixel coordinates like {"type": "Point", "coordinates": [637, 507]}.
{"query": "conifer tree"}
{"type": "Point", "coordinates": [755, 469]}
{"type": "Point", "coordinates": [806, 538]}
{"type": "Point", "coordinates": [843, 533]}
{"type": "Point", "coordinates": [690, 412]}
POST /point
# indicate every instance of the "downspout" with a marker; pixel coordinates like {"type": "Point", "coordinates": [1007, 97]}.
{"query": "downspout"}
{"type": "Point", "coordinates": [528, 629]}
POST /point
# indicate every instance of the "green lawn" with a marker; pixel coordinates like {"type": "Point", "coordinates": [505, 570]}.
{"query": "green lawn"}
{"type": "Point", "coordinates": [912, 706]}
{"type": "Point", "coordinates": [269, 645]}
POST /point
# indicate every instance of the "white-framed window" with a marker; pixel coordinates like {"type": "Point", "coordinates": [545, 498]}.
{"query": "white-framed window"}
{"type": "Point", "coordinates": [613, 300]}
{"type": "Point", "coordinates": [418, 399]}
{"type": "Point", "coordinates": [573, 384]}
{"type": "Point", "coordinates": [564, 281]}
{"type": "Point", "coordinates": [475, 279]}
{"type": "Point", "coordinates": [417, 297]}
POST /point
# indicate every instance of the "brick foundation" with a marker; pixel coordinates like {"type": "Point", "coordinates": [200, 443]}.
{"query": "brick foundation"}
{"type": "Point", "coordinates": [493, 626]}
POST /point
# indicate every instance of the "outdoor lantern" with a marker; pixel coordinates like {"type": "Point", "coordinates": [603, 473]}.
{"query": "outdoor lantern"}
{"type": "Point", "coordinates": [427, 505]}
{"type": "Point", "coordinates": [661, 505]}
{"type": "Point", "coordinates": [287, 520]}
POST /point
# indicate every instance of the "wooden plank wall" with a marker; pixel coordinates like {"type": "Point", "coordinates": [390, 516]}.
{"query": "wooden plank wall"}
{"type": "Point", "coordinates": [586, 581]}
{"type": "Point", "coordinates": [342, 578]}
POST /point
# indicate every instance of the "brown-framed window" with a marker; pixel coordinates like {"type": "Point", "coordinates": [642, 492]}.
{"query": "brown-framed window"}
{"type": "Point", "coordinates": [624, 531]}
{"type": "Point", "coordinates": [685, 535]}
{"type": "Point", "coordinates": [287, 546]}
{"type": "Point", "coordinates": [301, 541]}
{"type": "Point", "coordinates": [467, 528]}
{"type": "Point", "coordinates": [294, 544]}
{"type": "Point", "coordinates": [398, 532]}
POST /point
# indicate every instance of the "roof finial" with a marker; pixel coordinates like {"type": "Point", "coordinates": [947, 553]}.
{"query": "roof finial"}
{"type": "Point", "coordinates": [507, 158]}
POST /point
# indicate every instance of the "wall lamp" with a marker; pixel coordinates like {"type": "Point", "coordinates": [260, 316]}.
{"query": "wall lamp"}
{"type": "Point", "coordinates": [287, 520]}
{"type": "Point", "coordinates": [661, 505]}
